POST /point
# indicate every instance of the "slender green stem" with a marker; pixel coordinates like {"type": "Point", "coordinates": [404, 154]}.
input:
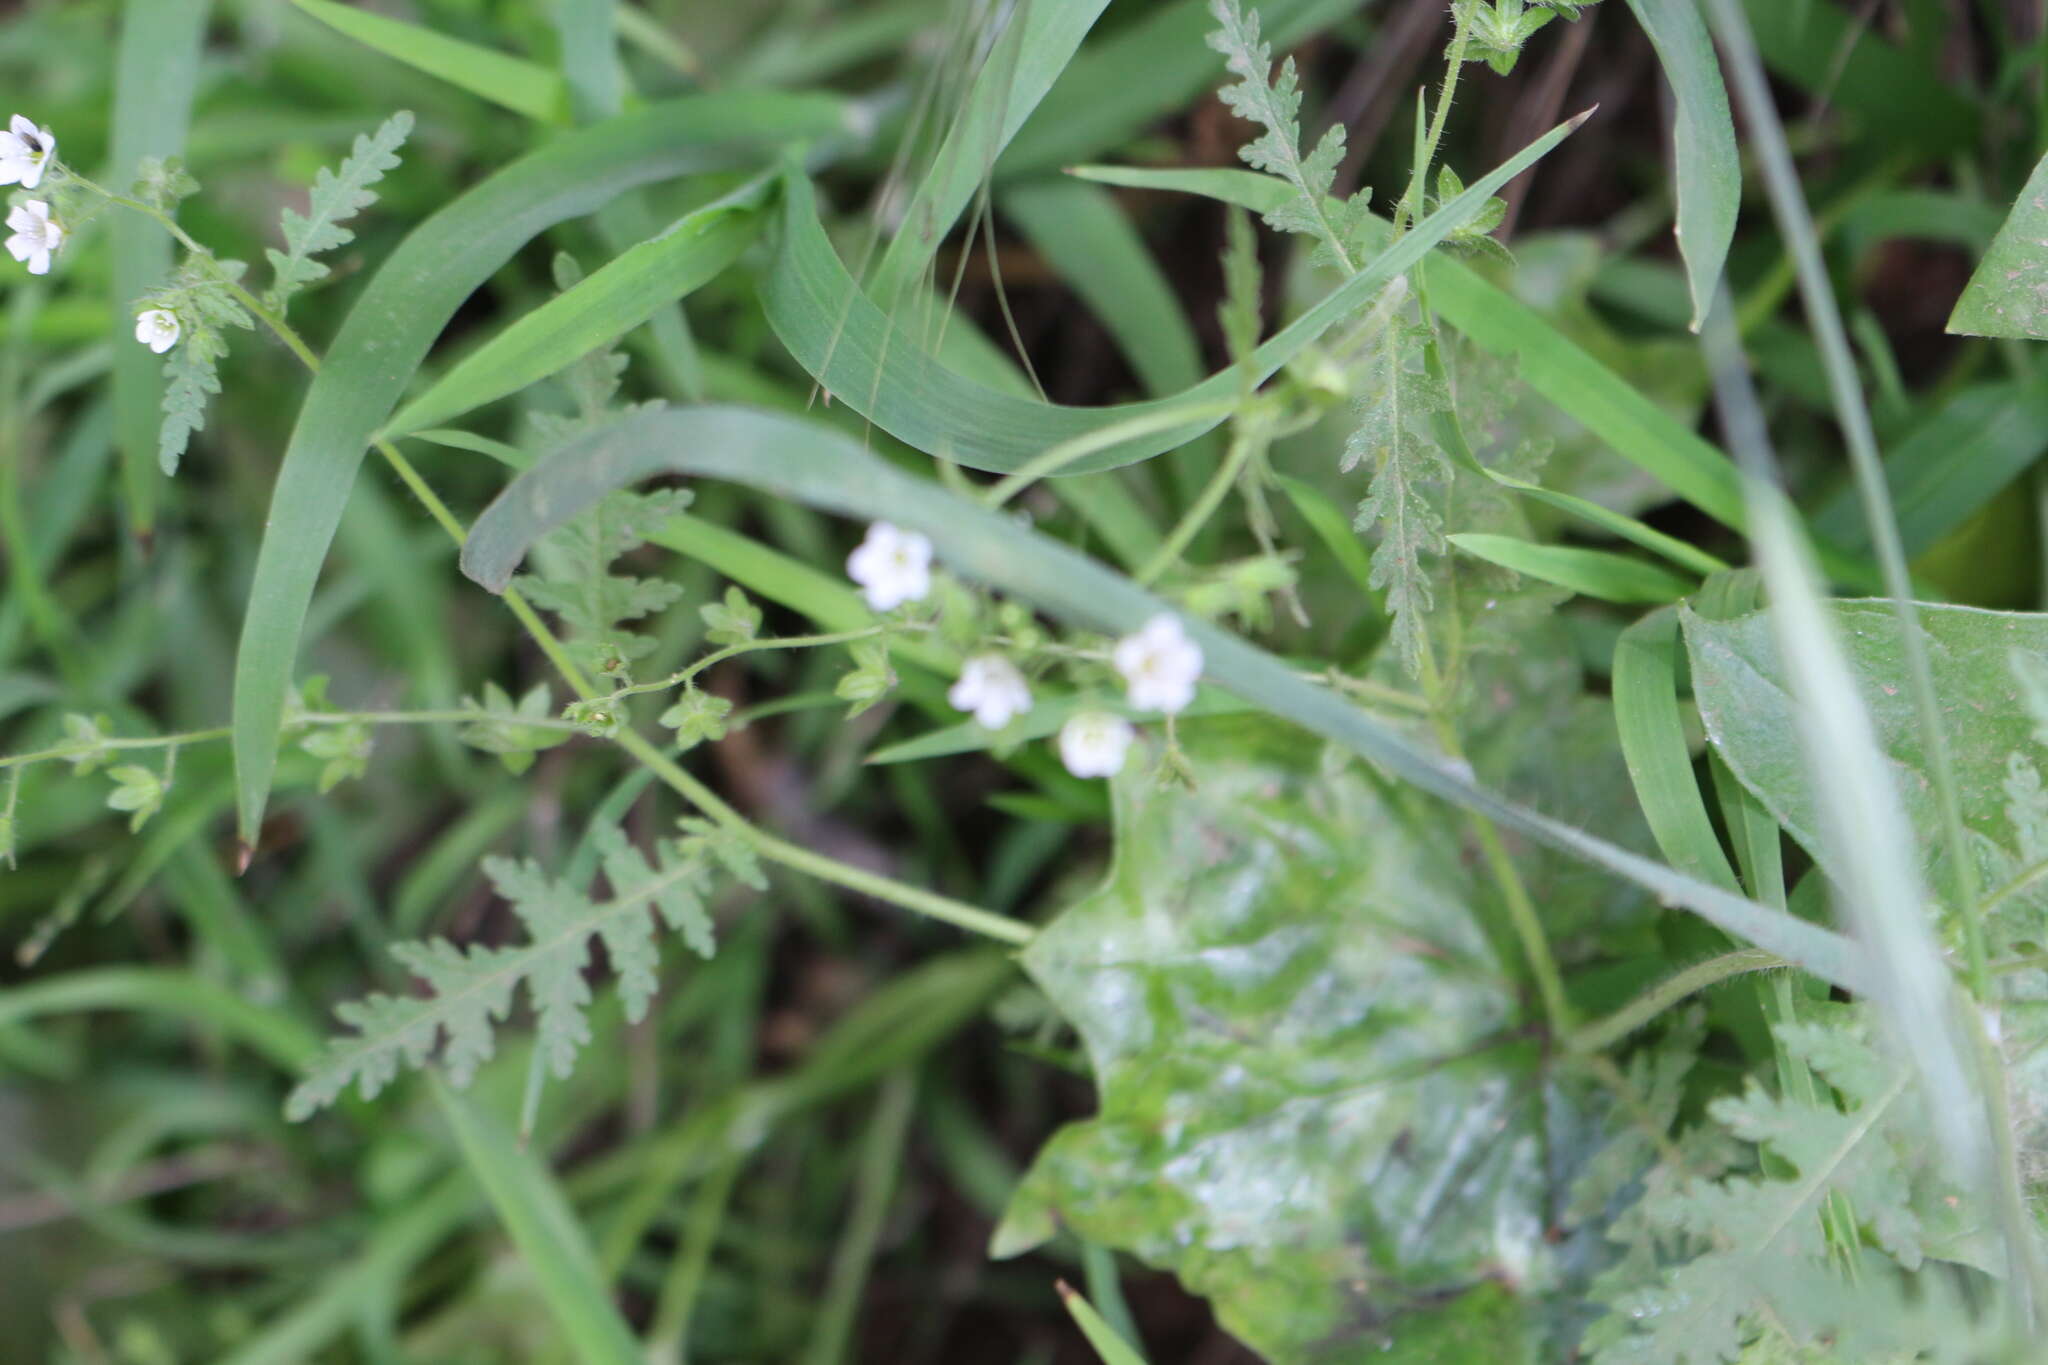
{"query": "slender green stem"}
{"type": "Point", "coordinates": [1242, 447]}
{"type": "Point", "coordinates": [683, 675]}
{"type": "Point", "coordinates": [1410, 207]}
{"type": "Point", "coordinates": [1058, 457]}
{"type": "Point", "coordinates": [943, 908]}
{"type": "Point", "coordinates": [1604, 1033]}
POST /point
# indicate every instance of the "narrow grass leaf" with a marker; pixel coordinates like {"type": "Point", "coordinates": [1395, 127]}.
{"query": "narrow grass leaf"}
{"type": "Point", "coordinates": [395, 321]}
{"type": "Point", "coordinates": [861, 356]}
{"type": "Point", "coordinates": [1652, 732]}
{"type": "Point", "coordinates": [1109, 1347]}
{"type": "Point", "coordinates": [1036, 44]}
{"type": "Point", "coordinates": [546, 1230]}
{"type": "Point", "coordinates": [1596, 573]}
{"type": "Point", "coordinates": [619, 296]}
{"type": "Point", "coordinates": [1679, 552]}
{"type": "Point", "coordinates": [797, 459]}
{"type": "Point", "coordinates": [1709, 173]}
{"type": "Point", "coordinates": [1332, 526]}
{"type": "Point", "coordinates": [510, 82]}
{"type": "Point", "coordinates": [1549, 362]}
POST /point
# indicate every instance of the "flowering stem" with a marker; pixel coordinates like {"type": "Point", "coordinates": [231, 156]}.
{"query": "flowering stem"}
{"type": "Point", "coordinates": [923, 902]}
{"type": "Point", "coordinates": [681, 676]}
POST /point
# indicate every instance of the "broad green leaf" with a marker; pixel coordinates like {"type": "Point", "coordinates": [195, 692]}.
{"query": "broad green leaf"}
{"type": "Point", "coordinates": [395, 321]}
{"type": "Point", "coordinates": [622, 294]}
{"type": "Point", "coordinates": [1709, 173]}
{"type": "Point", "coordinates": [861, 356]}
{"type": "Point", "coordinates": [1959, 457]}
{"type": "Point", "coordinates": [1316, 1103]}
{"type": "Point", "coordinates": [511, 82]}
{"type": "Point", "coordinates": [1546, 360]}
{"type": "Point", "coordinates": [816, 465]}
{"type": "Point", "coordinates": [156, 71]}
{"type": "Point", "coordinates": [546, 1230]}
{"type": "Point", "coordinates": [1747, 704]}
{"type": "Point", "coordinates": [2008, 294]}
{"type": "Point", "coordinates": [1596, 573]}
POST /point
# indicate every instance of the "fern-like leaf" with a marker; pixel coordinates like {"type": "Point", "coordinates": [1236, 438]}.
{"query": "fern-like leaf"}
{"type": "Point", "coordinates": [576, 582]}
{"type": "Point", "coordinates": [470, 990]}
{"type": "Point", "coordinates": [1275, 105]}
{"type": "Point", "coordinates": [337, 196]}
{"type": "Point", "coordinates": [1409, 471]}
{"type": "Point", "coordinates": [1753, 1259]}
{"type": "Point", "coordinates": [198, 294]}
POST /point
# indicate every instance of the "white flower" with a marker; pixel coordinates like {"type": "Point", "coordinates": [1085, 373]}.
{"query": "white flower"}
{"type": "Point", "coordinates": [991, 687]}
{"type": "Point", "coordinates": [36, 235]}
{"type": "Point", "coordinates": [1159, 665]}
{"type": "Point", "coordinates": [1093, 744]}
{"type": "Point", "coordinates": [157, 328]}
{"type": "Point", "coordinates": [891, 566]}
{"type": "Point", "coordinates": [26, 151]}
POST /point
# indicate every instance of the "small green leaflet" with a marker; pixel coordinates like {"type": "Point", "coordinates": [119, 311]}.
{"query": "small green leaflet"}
{"type": "Point", "coordinates": [470, 989]}
{"type": "Point", "coordinates": [337, 196]}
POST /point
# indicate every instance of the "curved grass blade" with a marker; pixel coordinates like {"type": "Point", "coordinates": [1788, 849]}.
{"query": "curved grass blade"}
{"type": "Point", "coordinates": [1595, 573]}
{"type": "Point", "coordinates": [862, 358]}
{"type": "Point", "coordinates": [622, 294]}
{"type": "Point", "coordinates": [1546, 360]}
{"type": "Point", "coordinates": [1709, 172]}
{"type": "Point", "coordinates": [796, 459]}
{"type": "Point", "coordinates": [156, 72]}
{"type": "Point", "coordinates": [511, 82]}
{"type": "Point", "coordinates": [395, 321]}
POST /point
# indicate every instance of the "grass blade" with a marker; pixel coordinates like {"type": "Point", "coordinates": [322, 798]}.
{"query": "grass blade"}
{"type": "Point", "coordinates": [510, 82]}
{"type": "Point", "coordinates": [1653, 745]}
{"type": "Point", "coordinates": [1110, 1347]}
{"type": "Point", "coordinates": [1036, 45]}
{"type": "Point", "coordinates": [815, 465]}
{"type": "Point", "coordinates": [619, 296]}
{"type": "Point", "coordinates": [1709, 173]}
{"type": "Point", "coordinates": [394, 323]}
{"type": "Point", "coordinates": [861, 357]}
{"type": "Point", "coordinates": [545, 1229]}
{"type": "Point", "coordinates": [156, 72]}
{"type": "Point", "coordinates": [1547, 361]}
{"type": "Point", "coordinates": [1595, 573]}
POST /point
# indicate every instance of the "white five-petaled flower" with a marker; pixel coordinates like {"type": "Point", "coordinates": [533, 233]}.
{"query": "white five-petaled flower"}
{"type": "Point", "coordinates": [25, 153]}
{"type": "Point", "coordinates": [36, 235]}
{"type": "Point", "coordinates": [1094, 743]}
{"type": "Point", "coordinates": [991, 687]}
{"type": "Point", "coordinates": [1159, 665]}
{"type": "Point", "coordinates": [892, 566]}
{"type": "Point", "coordinates": [157, 328]}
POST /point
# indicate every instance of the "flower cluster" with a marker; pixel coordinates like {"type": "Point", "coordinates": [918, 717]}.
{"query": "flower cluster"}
{"type": "Point", "coordinates": [26, 153]}
{"type": "Point", "coordinates": [1158, 663]}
